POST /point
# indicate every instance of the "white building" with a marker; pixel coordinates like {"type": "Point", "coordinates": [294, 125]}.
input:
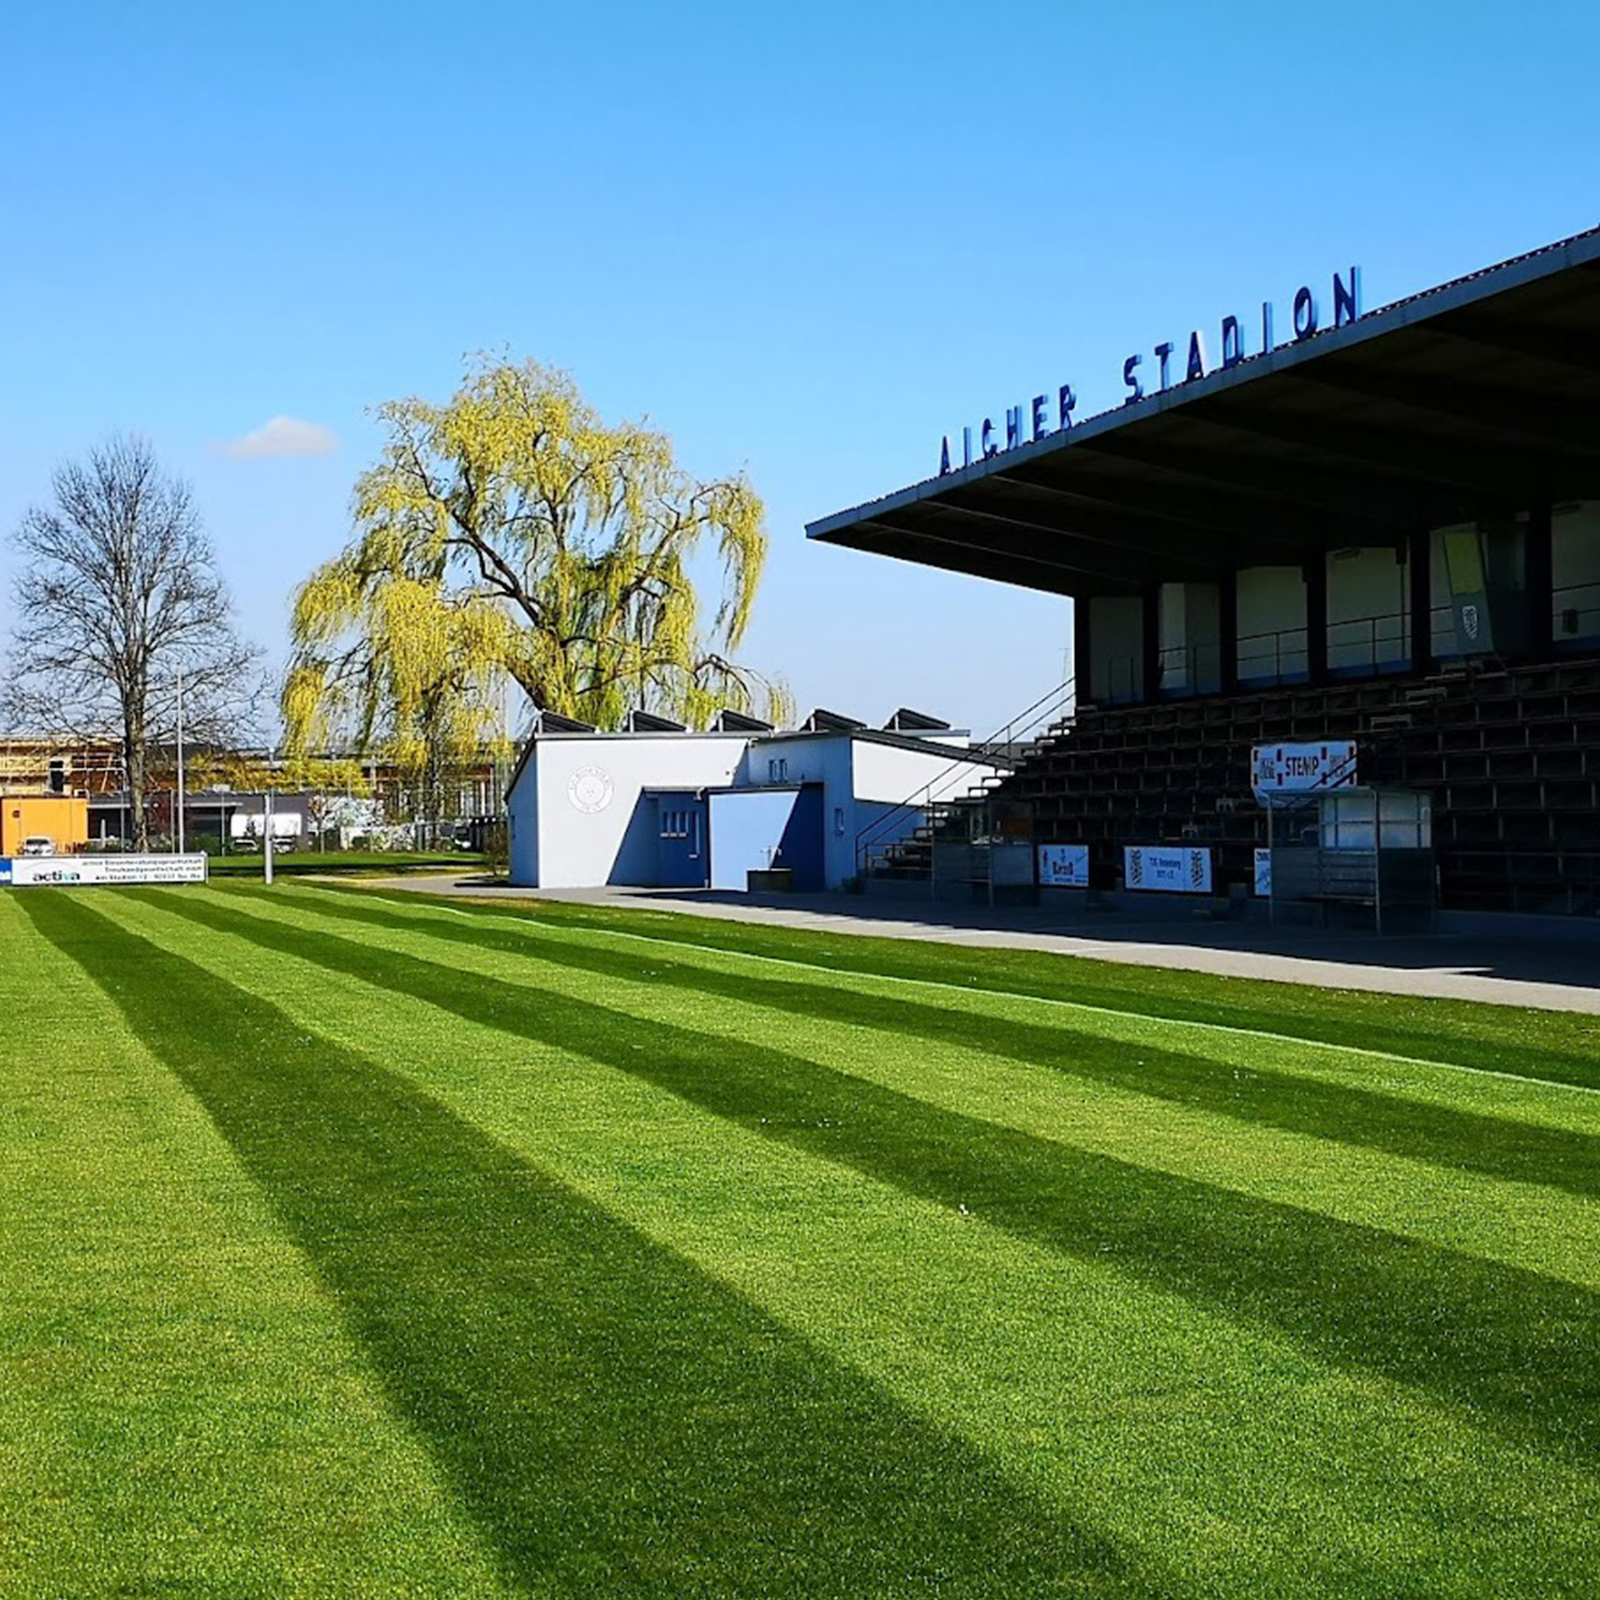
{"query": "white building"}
{"type": "Point", "coordinates": [659, 806]}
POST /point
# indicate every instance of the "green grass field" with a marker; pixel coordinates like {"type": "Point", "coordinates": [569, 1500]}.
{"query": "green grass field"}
{"type": "Point", "coordinates": [356, 863]}
{"type": "Point", "coordinates": [362, 1246]}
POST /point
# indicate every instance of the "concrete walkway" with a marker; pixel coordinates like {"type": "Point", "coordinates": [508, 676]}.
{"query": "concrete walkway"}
{"type": "Point", "coordinates": [1553, 977]}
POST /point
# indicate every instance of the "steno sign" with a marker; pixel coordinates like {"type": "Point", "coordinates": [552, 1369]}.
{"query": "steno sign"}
{"type": "Point", "coordinates": [1297, 768]}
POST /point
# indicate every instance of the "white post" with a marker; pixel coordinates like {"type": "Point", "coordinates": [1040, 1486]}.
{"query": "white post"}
{"type": "Point", "coordinates": [266, 842]}
{"type": "Point", "coordinates": [179, 831]}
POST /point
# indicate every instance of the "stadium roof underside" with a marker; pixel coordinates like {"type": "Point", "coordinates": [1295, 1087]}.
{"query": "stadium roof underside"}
{"type": "Point", "coordinates": [1475, 400]}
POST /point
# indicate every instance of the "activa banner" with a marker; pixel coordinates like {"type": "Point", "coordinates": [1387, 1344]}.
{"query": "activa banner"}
{"type": "Point", "coordinates": [1064, 866]}
{"type": "Point", "coordinates": [69, 871]}
{"type": "Point", "coordinates": [1185, 870]}
{"type": "Point", "coordinates": [1296, 768]}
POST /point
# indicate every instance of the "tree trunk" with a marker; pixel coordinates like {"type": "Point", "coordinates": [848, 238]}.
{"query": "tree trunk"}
{"type": "Point", "coordinates": [133, 757]}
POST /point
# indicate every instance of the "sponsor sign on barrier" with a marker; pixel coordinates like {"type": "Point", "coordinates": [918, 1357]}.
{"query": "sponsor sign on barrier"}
{"type": "Point", "coordinates": [1297, 768]}
{"type": "Point", "coordinates": [1182, 870]}
{"type": "Point", "coordinates": [62, 871]}
{"type": "Point", "coordinates": [1264, 873]}
{"type": "Point", "coordinates": [1064, 866]}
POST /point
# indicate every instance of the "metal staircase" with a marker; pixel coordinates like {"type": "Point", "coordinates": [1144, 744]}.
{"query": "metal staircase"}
{"type": "Point", "coordinates": [952, 841]}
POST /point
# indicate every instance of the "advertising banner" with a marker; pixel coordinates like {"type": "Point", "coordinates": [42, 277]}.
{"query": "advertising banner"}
{"type": "Point", "coordinates": [1469, 590]}
{"type": "Point", "coordinates": [1064, 866]}
{"type": "Point", "coordinates": [1184, 869]}
{"type": "Point", "coordinates": [1264, 874]}
{"type": "Point", "coordinates": [1296, 768]}
{"type": "Point", "coordinates": [40, 871]}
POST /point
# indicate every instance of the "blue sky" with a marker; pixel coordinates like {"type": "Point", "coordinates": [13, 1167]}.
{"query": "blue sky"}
{"type": "Point", "coordinates": [803, 240]}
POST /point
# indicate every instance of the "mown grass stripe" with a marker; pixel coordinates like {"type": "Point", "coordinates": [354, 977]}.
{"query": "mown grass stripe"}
{"type": "Point", "coordinates": [1395, 1027]}
{"type": "Point", "coordinates": [613, 1415]}
{"type": "Point", "coordinates": [182, 1411]}
{"type": "Point", "coordinates": [419, 905]}
{"type": "Point", "coordinates": [1505, 1097]}
{"type": "Point", "coordinates": [1255, 1467]}
{"type": "Point", "coordinates": [1522, 1225]}
{"type": "Point", "coordinates": [1516, 1347]}
{"type": "Point", "coordinates": [1418, 1130]}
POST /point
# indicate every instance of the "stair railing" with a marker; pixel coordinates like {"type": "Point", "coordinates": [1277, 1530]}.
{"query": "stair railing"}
{"type": "Point", "coordinates": [922, 798]}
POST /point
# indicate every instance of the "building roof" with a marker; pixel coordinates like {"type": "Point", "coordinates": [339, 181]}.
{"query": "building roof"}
{"type": "Point", "coordinates": [1476, 399]}
{"type": "Point", "coordinates": [855, 731]}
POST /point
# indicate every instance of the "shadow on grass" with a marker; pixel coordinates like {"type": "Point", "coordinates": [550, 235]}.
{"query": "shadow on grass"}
{"type": "Point", "coordinates": [1500, 1148]}
{"type": "Point", "coordinates": [1464, 1032]}
{"type": "Point", "coordinates": [619, 1421]}
{"type": "Point", "coordinates": [1518, 1348]}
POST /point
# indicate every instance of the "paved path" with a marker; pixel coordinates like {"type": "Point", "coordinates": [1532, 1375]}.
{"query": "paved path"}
{"type": "Point", "coordinates": [1556, 977]}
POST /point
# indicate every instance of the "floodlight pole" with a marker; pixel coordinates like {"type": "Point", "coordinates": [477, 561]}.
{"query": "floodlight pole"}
{"type": "Point", "coordinates": [178, 832]}
{"type": "Point", "coordinates": [266, 841]}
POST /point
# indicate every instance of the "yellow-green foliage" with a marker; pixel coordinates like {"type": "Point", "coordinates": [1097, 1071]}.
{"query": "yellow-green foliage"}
{"type": "Point", "coordinates": [511, 536]}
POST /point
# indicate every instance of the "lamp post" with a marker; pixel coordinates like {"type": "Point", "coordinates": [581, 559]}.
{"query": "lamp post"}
{"type": "Point", "coordinates": [178, 831]}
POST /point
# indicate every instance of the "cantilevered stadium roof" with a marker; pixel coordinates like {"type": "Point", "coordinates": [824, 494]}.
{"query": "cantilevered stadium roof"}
{"type": "Point", "coordinates": [1474, 400]}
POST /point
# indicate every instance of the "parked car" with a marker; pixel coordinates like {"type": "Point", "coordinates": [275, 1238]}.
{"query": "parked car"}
{"type": "Point", "coordinates": [36, 844]}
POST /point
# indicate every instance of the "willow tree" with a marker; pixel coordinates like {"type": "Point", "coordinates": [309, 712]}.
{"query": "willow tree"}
{"type": "Point", "coordinates": [511, 537]}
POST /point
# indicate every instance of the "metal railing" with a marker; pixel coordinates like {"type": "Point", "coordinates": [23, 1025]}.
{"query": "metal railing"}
{"type": "Point", "coordinates": [1047, 710]}
{"type": "Point", "coordinates": [1353, 644]}
{"type": "Point", "coordinates": [1575, 614]}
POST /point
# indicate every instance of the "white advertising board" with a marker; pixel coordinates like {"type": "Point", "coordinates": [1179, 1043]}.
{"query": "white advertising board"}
{"type": "Point", "coordinates": [1264, 873]}
{"type": "Point", "coordinates": [39, 871]}
{"type": "Point", "coordinates": [1180, 869]}
{"type": "Point", "coordinates": [1296, 768]}
{"type": "Point", "coordinates": [1064, 866]}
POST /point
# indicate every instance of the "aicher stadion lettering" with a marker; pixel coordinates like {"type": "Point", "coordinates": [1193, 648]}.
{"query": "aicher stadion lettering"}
{"type": "Point", "coordinates": [1024, 424]}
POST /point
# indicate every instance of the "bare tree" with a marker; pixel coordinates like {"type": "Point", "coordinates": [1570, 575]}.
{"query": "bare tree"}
{"type": "Point", "coordinates": [120, 598]}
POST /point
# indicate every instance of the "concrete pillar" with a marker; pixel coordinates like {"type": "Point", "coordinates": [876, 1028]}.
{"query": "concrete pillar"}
{"type": "Point", "coordinates": [1316, 573]}
{"type": "Point", "coordinates": [1150, 642]}
{"type": "Point", "coordinates": [1419, 569]}
{"type": "Point", "coordinates": [1539, 577]}
{"type": "Point", "coordinates": [1082, 647]}
{"type": "Point", "coordinates": [1228, 628]}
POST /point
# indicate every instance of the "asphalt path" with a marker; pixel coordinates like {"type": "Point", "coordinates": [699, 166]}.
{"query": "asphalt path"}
{"type": "Point", "coordinates": [1555, 976]}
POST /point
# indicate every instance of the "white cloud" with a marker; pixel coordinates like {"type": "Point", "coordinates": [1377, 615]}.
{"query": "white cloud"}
{"type": "Point", "coordinates": [283, 436]}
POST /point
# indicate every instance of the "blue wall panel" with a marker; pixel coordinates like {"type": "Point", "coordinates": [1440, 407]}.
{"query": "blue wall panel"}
{"type": "Point", "coordinates": [754, 829]}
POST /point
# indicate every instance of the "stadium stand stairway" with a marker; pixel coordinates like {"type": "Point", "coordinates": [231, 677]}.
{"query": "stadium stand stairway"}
{"type": "Point", "coordinates": [1511, 755]}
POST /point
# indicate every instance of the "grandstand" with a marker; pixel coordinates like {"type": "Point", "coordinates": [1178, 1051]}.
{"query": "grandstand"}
{"type": "Point", "coordinates": [1387, 531]}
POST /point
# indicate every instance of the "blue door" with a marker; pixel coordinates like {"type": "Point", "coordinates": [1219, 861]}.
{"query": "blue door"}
{"type": "Point", "coordinates": [681, 826]}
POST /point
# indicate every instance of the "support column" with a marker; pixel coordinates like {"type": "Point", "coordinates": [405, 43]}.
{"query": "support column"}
{"type": "Point", "coordinates": [1228, 632]}
{"type": "Point", "coordinates": [1150, 642]}
{"type": "Point", "coordinates": [1419, 579]}
{"type": "Point", "coordinates": [1539, 580]}
{"type": "Point", "coordinates": [1082, 650]}
{"type": "Point", "coordinates": [1316, 575]}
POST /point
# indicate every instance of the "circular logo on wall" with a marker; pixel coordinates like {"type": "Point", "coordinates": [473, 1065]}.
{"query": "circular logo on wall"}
{"type": "Point", "coordinates": [589, 790]}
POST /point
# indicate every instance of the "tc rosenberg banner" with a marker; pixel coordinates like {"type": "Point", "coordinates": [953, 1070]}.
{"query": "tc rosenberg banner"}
{"type": "Point", "coordinates": [65, 871]}
{"type": "Point", "coordinates": [1185, 870]}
